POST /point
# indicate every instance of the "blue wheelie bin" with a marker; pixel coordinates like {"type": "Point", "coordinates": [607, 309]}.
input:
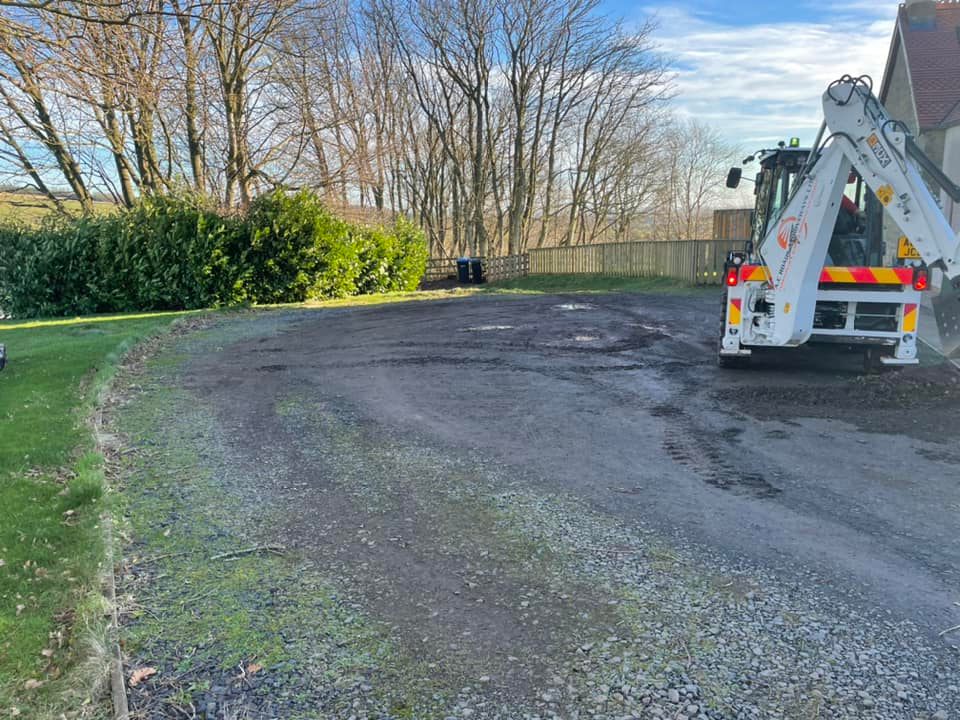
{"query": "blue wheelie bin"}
{"type": "Point", "coordinates": [476, 270]}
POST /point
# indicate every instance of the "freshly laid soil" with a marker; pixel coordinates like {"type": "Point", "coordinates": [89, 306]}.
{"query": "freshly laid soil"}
{"type": "Point", "coordinates": [922, 402]}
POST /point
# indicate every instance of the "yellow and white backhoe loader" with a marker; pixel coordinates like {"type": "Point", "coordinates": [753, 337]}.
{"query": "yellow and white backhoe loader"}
{"type": "Point", "coordinates": [814, 268]}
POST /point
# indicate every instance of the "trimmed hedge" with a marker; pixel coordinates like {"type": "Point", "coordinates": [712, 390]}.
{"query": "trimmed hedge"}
{"type": "Point", "coordinates": [173, 252]}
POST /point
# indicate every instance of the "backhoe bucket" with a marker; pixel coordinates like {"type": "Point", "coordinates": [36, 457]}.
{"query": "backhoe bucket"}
{"type": "Point", "coordinates": [946, 307]}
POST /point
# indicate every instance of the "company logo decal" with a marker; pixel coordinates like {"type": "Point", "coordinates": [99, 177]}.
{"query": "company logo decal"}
{"type": "Point", "coordinates": [883, 157]}
{"type": "Point", "coordinates": [792, 230]}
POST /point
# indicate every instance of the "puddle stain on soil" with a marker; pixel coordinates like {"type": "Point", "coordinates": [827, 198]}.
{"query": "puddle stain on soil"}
{"type": "Point", "coordinates": [575, 306]}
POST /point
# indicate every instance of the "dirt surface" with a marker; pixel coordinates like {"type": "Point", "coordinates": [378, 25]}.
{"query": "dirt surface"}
{"type": "Point", "coordinates": [535, 507]}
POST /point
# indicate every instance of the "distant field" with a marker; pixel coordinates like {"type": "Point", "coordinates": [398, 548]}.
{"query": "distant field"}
{"type": "Point", "coordinates": [32, 208]}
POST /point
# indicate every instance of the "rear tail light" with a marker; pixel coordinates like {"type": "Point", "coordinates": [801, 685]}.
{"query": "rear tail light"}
{"type": "Point", "coordinates": [921, 279]}
{"type": "Point", "coordinates": [733, 276]}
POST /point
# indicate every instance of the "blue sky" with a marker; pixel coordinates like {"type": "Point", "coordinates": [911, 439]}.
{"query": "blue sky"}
{"type": "Point", "coordinates": [756, 70]}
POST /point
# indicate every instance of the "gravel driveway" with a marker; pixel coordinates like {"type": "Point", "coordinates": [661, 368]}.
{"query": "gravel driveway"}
{"type": "Point", "coordinates": [536, 506]}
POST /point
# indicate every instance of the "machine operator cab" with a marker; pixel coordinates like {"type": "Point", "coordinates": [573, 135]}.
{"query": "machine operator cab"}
{"type": "Point", "coordinates": [858, 235]}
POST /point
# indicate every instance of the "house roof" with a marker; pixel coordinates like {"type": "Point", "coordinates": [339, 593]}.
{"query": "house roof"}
{"type": "Point", "coordinates": [953, 118]}
{"type": "Point", "coordinates": [933, 64]}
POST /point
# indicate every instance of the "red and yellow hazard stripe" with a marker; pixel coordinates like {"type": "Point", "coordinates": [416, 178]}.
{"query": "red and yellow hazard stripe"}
{"type": "Point", "coordinates": [754, 273]}
{"type": "Point", "coordinates": [909, 322]}
{"type": "Point", "coordinates": [733, 312]}
{"type": "Point", "coordinates": [844, 275]}
{"type": "Point", "coordinates": [867, 275]}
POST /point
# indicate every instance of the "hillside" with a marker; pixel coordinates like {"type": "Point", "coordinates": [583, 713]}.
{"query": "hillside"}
{"type": "Point", "coordinates": [31, 208]}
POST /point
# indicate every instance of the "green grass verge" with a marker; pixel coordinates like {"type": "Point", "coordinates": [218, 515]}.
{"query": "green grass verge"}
{"type": "Point", "coordinates": [51, 483]}
{"type": "Point", "coordinates": [391, 297]}
{"type": "Point", "coordinates": [590, 283]}
{"type": "Point", "coordinates": [530, 285]}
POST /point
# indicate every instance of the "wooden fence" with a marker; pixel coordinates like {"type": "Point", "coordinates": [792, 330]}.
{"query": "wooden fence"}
{"type": "Point", "coordinates": [440, 269]}
{"type": "Point", "coordinates": [506, 268]}
{"type": "Point", "coordinates": [732, 224]}
{"type": "Point", "coordinates": [698, 262]}
{"type": "Point", "coordinates": [494, 268]}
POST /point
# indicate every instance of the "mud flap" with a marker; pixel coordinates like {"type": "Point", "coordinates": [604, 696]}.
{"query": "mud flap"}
{"type": "Point", "coordinates": [946, 307]}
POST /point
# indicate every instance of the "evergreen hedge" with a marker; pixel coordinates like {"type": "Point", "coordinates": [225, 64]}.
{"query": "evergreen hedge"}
{"type": "Point", "coordinates": [174, 252]}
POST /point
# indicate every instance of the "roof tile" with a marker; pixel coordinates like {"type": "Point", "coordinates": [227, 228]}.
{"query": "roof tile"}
{"type": "Point", "coordinates": [933, 57]}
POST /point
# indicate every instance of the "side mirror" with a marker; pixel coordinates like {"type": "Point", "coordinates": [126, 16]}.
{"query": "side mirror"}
{"type": "Point", "coordinates": [733, 177]}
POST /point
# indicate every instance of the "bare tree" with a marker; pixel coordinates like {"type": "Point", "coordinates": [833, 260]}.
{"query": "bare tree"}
{"type": "Point", "coordinates": [496, 124]}
{"type": "Point", "coordinates": [26, 73]}
{"type": "Point", "coordinates": [696, 161]}
{"type": "Point", "coordinates": [240, 34]}
{"type": "Point", "coordinates": [191, 39]}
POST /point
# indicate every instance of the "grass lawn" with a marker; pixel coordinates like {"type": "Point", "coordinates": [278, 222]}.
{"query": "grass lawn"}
{"type": "Point", "coordinates": [51, 482]}
{"type": "Point", "coordinates": [530, 285]}
{"type": "Point", "coordinates": [590, 283]}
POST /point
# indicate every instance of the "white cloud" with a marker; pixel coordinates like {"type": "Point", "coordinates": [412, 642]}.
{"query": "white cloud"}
{"type": "Point", "coordinates": [762, 83]}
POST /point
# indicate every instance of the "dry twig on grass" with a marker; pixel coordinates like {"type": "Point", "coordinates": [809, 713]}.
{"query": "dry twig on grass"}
{"type": "Point", "coordinates": [233, 554]}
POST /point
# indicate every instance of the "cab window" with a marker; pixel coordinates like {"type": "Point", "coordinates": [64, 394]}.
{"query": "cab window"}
{"type": "Point", "coordinates": [780, 192]}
